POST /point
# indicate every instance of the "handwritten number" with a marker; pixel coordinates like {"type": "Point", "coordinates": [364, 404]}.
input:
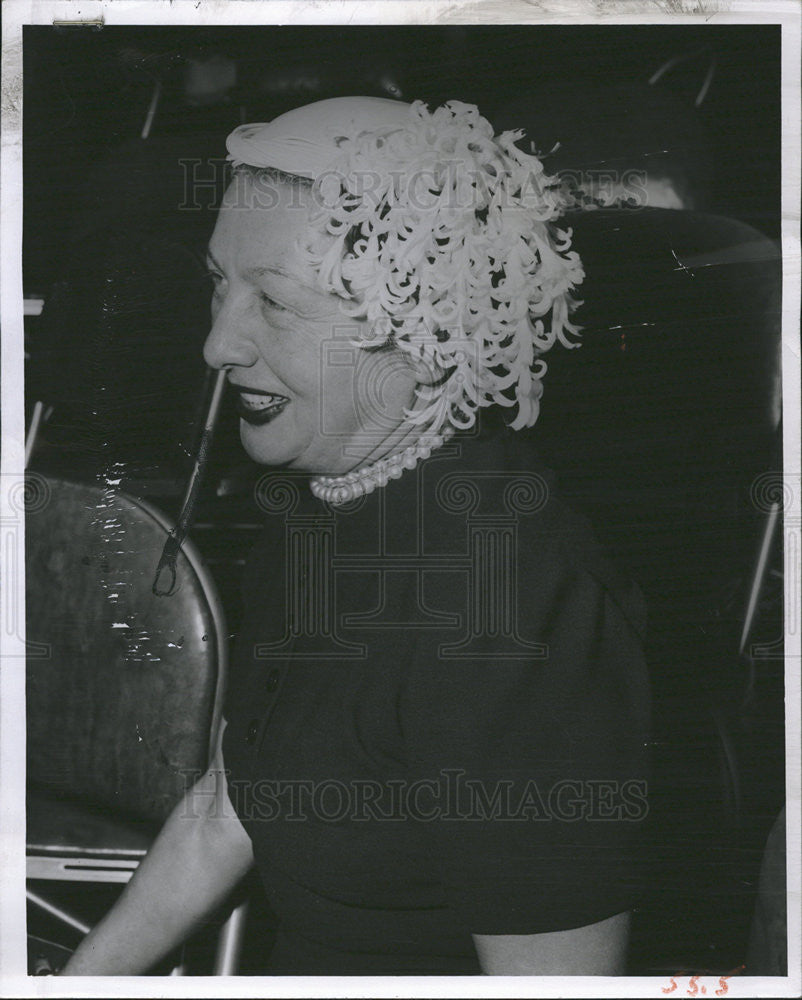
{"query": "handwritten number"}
{"type": "Point", "coordinates": [694, 988]}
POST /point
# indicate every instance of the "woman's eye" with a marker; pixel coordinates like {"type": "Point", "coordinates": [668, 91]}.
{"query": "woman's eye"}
{"type": "Point", "coordinates": [271, 303]}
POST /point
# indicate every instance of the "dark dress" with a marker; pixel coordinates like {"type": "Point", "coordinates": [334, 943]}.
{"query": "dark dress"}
{"type": "Point", "coordinates": [438, 716]}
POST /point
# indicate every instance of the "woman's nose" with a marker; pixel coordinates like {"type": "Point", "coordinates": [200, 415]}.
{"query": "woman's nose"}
{"type": "Point", "coordinates": [227, 344]}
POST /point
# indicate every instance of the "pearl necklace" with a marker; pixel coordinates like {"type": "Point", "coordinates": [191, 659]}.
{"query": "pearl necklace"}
{"type": "Point", "coordinates": [360, 482]}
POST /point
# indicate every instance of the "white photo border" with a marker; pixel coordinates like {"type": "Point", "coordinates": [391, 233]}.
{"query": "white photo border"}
{"type": "Point", "coordinates": [13, 978]}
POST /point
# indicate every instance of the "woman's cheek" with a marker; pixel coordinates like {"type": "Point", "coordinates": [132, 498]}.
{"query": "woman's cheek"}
{"type": "Point", "coordinates": [336, 392]}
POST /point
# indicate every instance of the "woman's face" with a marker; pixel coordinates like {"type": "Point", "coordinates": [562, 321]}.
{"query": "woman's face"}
{"type": "Point", "coordinates": [306, 396]}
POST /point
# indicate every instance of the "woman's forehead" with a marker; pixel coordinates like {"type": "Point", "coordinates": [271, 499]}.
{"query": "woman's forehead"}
{"type": "Point", "coordinates": [265, 232]}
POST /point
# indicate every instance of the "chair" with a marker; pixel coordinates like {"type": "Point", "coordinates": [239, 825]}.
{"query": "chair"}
{"type": "Point", "coordinates": [124, 701]}
{"type": "Point", "coordinates": [661, 429]}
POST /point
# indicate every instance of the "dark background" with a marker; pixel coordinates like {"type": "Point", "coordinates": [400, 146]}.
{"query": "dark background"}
{"type": "Point", "coordinates": [658, 426]}
{"type": "Point", "coordinates": [87, 92]}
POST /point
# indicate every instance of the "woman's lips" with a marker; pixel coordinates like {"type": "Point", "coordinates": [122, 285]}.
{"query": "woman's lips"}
{"type": "Point", "coordinates": [258, 407]}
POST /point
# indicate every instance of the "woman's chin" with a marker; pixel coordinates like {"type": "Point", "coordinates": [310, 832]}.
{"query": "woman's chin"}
{"type": "Point", "coordinates": [268, 445]}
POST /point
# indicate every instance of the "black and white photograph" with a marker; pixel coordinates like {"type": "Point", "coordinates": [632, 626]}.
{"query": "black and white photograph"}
{"type": "Point", "coordinates": [400, 499]}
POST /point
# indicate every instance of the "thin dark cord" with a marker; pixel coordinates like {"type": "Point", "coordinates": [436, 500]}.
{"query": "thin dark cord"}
{"type": "Point", "coordinates": [169, 556]}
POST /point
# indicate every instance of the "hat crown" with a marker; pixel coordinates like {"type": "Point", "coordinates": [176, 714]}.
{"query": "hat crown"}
{"type": "Point", "coordinates": [305, 141]}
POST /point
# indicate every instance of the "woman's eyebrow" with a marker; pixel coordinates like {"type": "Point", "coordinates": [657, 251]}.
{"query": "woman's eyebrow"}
{"type": "Point", "coordinates": [279, 272]}
{"type": "Point", "coordinates": [258, 272]}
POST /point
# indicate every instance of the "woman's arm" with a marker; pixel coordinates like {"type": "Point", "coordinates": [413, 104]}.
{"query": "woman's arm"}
{"type": "Point", "coordinates": [596, 950]}
{"type": "Point", "coordinates": [199, 856]}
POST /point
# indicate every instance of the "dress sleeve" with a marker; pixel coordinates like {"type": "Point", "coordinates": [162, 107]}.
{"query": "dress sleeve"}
{"type": "Point", "coordinates": [544, 760]}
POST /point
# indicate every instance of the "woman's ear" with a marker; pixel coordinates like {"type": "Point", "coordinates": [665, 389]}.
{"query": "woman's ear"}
{"type": "Point", "coordinates": [427, 373]}
{"type": "Point", "coordinates": [421, 358]}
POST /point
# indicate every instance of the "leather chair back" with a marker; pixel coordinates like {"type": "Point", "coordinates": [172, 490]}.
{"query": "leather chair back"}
{"type": "Point", "coordinates": [123, 705]}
